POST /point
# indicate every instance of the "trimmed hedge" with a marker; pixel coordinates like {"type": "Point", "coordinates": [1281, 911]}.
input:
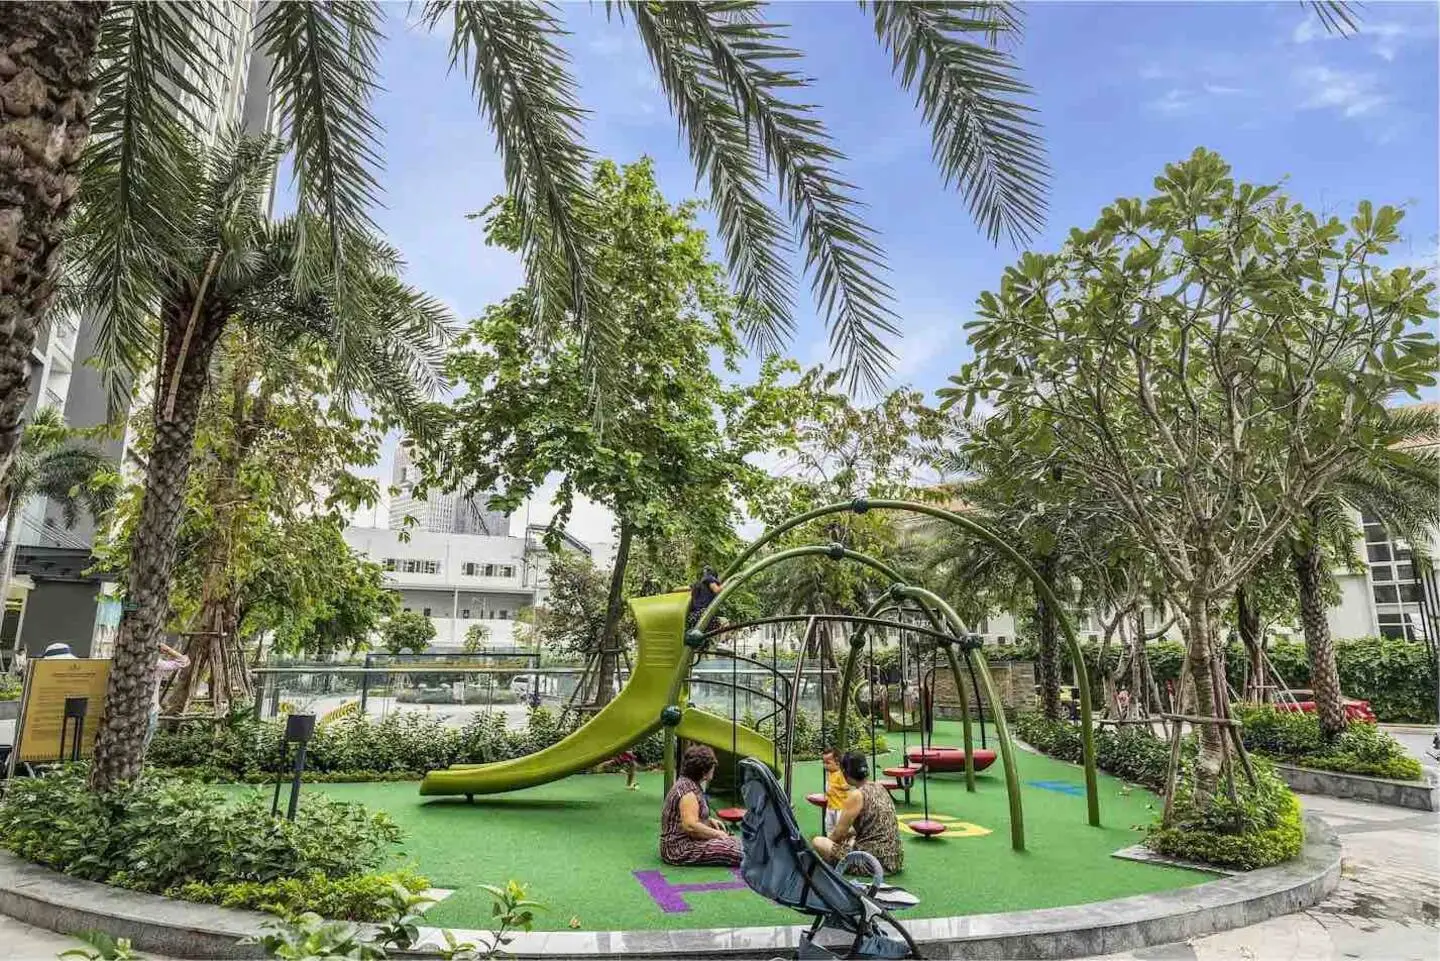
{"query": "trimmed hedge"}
{"type": "Point", "coordinates": [1133, 754]}
{"type": "Point", "coordinates": [399, 746]}
{"type": "Point", "coordinates": [1295, 738]}
{"type": "Point", "coordinates": [1397, 677]}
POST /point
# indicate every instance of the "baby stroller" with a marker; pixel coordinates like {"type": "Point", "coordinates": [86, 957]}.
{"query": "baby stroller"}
{"type": "Point", "coordinates": [778, 864]}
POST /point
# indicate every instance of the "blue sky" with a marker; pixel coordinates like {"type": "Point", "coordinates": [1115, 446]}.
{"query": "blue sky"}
{"type": "Point", "coordinates": [1121, 89]}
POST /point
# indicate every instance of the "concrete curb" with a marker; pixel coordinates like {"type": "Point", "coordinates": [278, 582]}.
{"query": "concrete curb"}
{"type": "Point", "coordinates": [180, 929]}
{"type": "Point", "coordinates": [1416, 795]}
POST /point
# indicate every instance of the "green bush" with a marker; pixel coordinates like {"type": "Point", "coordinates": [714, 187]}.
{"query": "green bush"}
{"type": "Point", "coordinates": [1261, 827]}
{"type": "Point", "coordinates": [1133, 753]}
{"type": "Point", "coordinates": [10, 687]}
{"type": "Point", "coordinates": [359, 898]}
{"type": "Point", "coordinates": [161, 833]}
{"type": "Point", "coordinates": [1295, 737]}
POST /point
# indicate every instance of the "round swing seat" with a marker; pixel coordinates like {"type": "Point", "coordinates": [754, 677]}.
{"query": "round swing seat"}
{"type": "Point", "coordinates": [926, 829]}
{"type": "Point", "coordinates": [901, 773]}
{"type": "Point", "coordinates": [818, 800]}
{"type": "Point", "coordinates": [731, 815]}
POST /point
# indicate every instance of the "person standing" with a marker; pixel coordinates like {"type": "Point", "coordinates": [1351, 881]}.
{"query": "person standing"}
{"type": "Point", "coordinates": [170, 662]}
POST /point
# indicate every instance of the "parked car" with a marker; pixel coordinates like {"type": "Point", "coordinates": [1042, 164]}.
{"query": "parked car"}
{"type": "Point", "coordinates": [1304, 700]}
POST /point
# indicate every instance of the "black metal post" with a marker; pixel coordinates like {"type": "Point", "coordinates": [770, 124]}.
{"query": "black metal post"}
{"type": "Point", "coordinates": [75, 708]}
{"type": "Point", "coordinates": [299, 728]}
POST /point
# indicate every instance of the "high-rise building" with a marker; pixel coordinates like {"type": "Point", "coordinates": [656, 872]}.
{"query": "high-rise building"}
{"type": "Point", "coordinates": [52, 597]}
{"type": "Point", "coordinates": [439, 513]}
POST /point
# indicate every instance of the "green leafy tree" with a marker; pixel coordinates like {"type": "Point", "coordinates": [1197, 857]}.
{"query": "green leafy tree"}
{"type": "Point", "coordinates": [668, 453]}
{"type": "Point", "coordinates": [133, 77]}
{"type": "Point", "coordinates": [1204, 364]}
{"type": "Point", "coordinates": [223, 264]}
{"type": "Point", "coordinates": [476, 636]}
{"type": "Point", "coordinates": [319, 596]}
{"type": "Point", "coordinates": [271, 453]}
{"type": "Point", "coordinates": [52, 462]}
{"type": "Point", "coordinates": [407, 632]}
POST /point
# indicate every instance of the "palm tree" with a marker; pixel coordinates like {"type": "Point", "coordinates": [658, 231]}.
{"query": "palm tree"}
{"type": "Point", "coordinates": [222, 261]}
{"type": "Point", "coordinates": [50, 463]}
{"type": "Point", "coordinates": [727, 73]}
{"type": "Point", "coordinates": [1400, 483]}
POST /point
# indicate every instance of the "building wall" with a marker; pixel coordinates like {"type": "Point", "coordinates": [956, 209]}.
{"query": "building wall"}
{"type": "Point", "coordinates": [60, 611]}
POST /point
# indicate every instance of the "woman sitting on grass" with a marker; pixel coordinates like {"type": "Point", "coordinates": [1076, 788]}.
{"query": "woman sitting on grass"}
{"type": "Point", "coordinates": [688, 834]}
{"type": "Point", "coordinates": [867, 821]}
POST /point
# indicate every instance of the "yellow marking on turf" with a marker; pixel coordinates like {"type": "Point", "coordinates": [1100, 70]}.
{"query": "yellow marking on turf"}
{"type": "Point", "coordinates": [954, 827]}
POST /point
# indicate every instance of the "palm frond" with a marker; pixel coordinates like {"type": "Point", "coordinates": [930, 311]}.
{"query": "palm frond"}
{"type": "Point", "coordinates": [521, 80]}
{"type": "Point", "coordinates": [1338, 16]}
{"type": "Point", "coordinates": [841, 253]}
{"type": "Point", "coordinates": [324, 62]}
{"type": "Point", "coordinates": [756, 241]}
{"type": "Point", "coordinates": [155, 77]}
{"type": "Point", "coordinates": [983, 135]}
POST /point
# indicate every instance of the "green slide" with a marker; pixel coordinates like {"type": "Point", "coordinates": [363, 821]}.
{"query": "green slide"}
{"type": "Point", "coordinates": [630, 717]}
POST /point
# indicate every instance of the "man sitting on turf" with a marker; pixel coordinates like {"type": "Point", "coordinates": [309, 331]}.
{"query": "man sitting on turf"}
{"type": "Point", "coordinates": [867, 821]}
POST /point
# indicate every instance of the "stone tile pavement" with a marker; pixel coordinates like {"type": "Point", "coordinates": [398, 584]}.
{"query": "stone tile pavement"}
{"type": "Point", "coordinates": [1387, 907]}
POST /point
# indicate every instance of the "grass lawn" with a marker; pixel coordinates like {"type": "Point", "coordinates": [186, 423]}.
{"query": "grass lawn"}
{"type": "Point", "coordinates": [578, 842]}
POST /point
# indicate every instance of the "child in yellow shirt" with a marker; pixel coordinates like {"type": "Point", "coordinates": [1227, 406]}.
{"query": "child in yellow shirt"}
{"type": "Point", "coordinates": [837, 789]}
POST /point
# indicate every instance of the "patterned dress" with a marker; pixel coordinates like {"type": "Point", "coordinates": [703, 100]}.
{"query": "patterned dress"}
{"type": "Point", "coordinates": [876, 830]}
{"type": "Point", "coordinates": [677, 847]}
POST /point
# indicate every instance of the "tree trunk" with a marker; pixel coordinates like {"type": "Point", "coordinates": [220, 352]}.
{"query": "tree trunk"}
{"type": "Point", "coordinates": [614, 606]}
{"type": "Point", "coordinates": [1247, 620]}
{"type": "Point", "coordinates": [7, 568]}
{"type": "Point", "coordinates": [1049, 647]}
{"type": "Point", "coordinates": [1310, 574]}
{"type": "Point", "coordinates": [1200, 656]}
{"type": "Point", "coordinates": [120, 747]}
{"type": "Point", "coordinates": [47, 87]}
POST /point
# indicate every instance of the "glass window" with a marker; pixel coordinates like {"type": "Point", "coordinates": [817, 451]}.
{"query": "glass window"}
{"type": "Point", "coordinates": [1375, 533]}
{"type": "Point", "coordinates": [1410, 593]}
{"type": "Point", "coordinates": [389, 563]}
{"type": "Point", "coordinates": [1390, 617]}
{"type": "Point", "coordinates": [469, 569]}
{"type": "Point", "coordinates": [427, 612]}
{"type": "Point", "coordinates": [1385, 594]}
{"type": "Point", "coordinates": [489, 570]}
{"type": "Point", "coordinates": [465, 613]}
{"type": "Point", "coordinates": [1382, 572]}
{"type": "Point", "coordinates": [1368, 518]}
{"type": "Point", "coordinates": [1405, 572]}
{"type": "Point", "coordinates": [1402, 553]}
{"type": "Point", "coordinates": [1378, 552]}
{"type": "Point", "coordinates": [1392, 630]}
{"type": "Point", "coordinates": [507, 571]}
{"type": "Point", "coordinates": [504, 615]}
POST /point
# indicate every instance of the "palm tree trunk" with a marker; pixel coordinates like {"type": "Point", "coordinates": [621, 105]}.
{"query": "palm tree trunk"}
{"type": "Point", "coordinates": [47, 56]}
{"type": "Point", "coordinates": [120, 747]}
{"type": "Point", "coordinates": [1049, 647]}
{"type": "Point", "coordinates": [1309, 564]}
{"type": "Point", "coordinates": [614, 607]}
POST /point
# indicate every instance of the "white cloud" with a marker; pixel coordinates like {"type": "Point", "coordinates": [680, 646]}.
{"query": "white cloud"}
{"type": "Point", "coordinates": [1221, 90]}
{"type": "Point", "coordinates": [1385, 38]}
{"type": "Point", "coordinates": [1352, 93]}
{"type": "Point", "coordinates": [1309, 29]}
{"type": "Point", "coordinates": [1174, 102]}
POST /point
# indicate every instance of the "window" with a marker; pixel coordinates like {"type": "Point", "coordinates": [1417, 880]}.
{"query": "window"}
{"type": "Point", "coordinates": [1405, 572]}
{"type": "Point", "coordinates": [489, 570]}
{"type": "Point", "coordinates": [507, 571]}
{"type": "Point", "coordinates": [427, 612]}
{"type": "Point", "coordinates": [468, 569]}
{"type": "Point", "coordinates": [1378, 552]}
{"type": "Point", "coordinates": [1386, 594]}
{"type": "Point", "coordinates": [1392, 624]}
{"type": "Point", "coordinates": [1383, 572]}
{"type": "Point", "coordinates": [406, 610]}
{"type": "Point", "coordinates": [389, 563]}
{"type": "Point", "coordinates": [1375, 534]}
{"type": "Point", "coordinates": [504, 615]}
{"type": "Point", "coordinates": [1410, 593]}
{"type": "Point", "coordinates": [465, 613]}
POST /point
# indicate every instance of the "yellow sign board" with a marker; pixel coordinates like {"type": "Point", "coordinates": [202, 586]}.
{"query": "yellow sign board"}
{"type": "Point", "coordinates": [49, 682]}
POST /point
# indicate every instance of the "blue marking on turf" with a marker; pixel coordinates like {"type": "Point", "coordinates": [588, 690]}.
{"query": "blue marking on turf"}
{"type": "Point", "coordinates": [1060, 787]}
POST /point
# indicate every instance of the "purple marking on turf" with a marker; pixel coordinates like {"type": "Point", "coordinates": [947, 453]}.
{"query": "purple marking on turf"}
{"type": "Point", "coordinates": [670, 897]}
{"type": "Point", "coordinates": [1059, 787]}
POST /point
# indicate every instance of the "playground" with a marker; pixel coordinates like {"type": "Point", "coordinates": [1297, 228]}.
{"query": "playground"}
{"type": "Point", "coordinates": [588, 848]}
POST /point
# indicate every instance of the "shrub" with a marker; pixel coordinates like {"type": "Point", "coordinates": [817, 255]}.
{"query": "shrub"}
{"type": "Point", "coordinates": [1133, 753]}
{"type": "Point", "coordinates": [1262, 826]}
{"type": "Point", "coordinates": [9, 687]}
{"type": "Point", "coordinates": [161, 833]}
{"type": "Point", "coordinates": [362, 897]}
{"type": "Point", "coordinates": [1295, 737]}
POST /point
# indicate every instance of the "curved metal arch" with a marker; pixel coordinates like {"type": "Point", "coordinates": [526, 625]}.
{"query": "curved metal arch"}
{"type": "Point", "coordinates": [1072, 641]}
{"type": "Point", "coordinates": [829, 619]}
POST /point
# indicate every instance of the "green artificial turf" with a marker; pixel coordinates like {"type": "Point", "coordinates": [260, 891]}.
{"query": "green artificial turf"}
{"type": "Point", "coordinates": [577, 842]}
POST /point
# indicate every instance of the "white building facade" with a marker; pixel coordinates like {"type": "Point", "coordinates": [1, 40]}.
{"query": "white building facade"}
{"type": "Point", "coordinates": [460, 580]}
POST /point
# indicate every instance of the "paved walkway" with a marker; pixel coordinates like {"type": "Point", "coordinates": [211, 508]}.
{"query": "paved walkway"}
{"type": "Point", "coordinates": [1387, 907]}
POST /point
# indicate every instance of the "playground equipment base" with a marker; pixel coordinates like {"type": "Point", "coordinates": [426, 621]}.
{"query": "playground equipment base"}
{"type": "Point", "coordinates": [180, 929]}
